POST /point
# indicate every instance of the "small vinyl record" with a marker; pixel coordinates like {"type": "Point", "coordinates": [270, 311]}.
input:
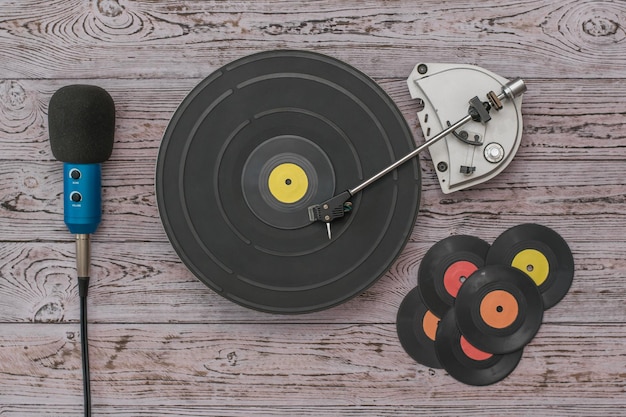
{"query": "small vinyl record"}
{"type": "Point", "coordinates": [444, 268]}
{"type": "Point", "coordinates": [417, 327]}
{"type": "Point", "coordinates": [541, 253]}
{"type": "Point", "coordinates": [257, 143]}
{"type": "Point", "coordinates": [465, 362]}
{"type": "Point", "coordinates": [499, 309]}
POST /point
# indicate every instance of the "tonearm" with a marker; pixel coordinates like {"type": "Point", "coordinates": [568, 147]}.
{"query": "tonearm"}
{"type": "Point", "coordinates": [478, 111]}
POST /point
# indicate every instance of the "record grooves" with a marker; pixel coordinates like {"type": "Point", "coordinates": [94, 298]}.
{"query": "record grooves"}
{"type": "Point", "coordinates": [499, 309]}
{"type": "Point", "coordinates": [257, 142]}
{"type": "Point", "coordinates": [464, 362]}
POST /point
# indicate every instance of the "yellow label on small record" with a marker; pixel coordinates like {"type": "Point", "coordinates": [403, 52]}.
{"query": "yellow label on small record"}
{"type": "Point", "coordinates": [288, 183]}
{"type": "Point", "coordinates": [533, 263]}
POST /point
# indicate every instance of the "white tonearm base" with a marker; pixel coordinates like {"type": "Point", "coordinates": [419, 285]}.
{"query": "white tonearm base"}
{"type": "Point", "coordinates": [479, 150]}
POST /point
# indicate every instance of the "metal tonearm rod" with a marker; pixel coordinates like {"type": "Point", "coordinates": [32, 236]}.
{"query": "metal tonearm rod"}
{"type": "Point", "coordinates": [478, 111]}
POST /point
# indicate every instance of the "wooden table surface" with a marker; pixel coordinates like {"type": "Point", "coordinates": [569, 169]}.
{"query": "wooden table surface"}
{"type": "Point", "coordinates": [163, 344]}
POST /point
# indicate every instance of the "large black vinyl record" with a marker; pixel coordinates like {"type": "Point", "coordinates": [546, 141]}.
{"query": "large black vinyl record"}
{"type": "Point", "coordinates": [258, 142]}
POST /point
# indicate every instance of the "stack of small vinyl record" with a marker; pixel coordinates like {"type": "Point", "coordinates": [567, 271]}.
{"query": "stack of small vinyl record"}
{"type": "Point", "coordinates": [477, 305]}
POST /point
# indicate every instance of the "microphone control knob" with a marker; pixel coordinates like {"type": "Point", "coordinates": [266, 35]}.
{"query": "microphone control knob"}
{"type": "Point", "coordinates": [74, 174]}
{"type": "Point", "coordinates": [76, 197]}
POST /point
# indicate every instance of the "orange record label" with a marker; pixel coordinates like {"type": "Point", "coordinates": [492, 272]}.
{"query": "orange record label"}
{"type": "Point", "coordinates": [429, 324]}
{"type": "Point", "coordinates": [499, 309]}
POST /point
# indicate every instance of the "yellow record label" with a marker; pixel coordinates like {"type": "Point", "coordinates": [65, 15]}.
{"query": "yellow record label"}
{"type": "Point", "coordinates": [288, 183]}
{"type": "Point", "coordinates": [533, 263]}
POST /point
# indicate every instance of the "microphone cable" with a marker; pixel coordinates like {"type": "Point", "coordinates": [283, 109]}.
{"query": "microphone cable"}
{"type": "Point", "coordinates": [83, 285]}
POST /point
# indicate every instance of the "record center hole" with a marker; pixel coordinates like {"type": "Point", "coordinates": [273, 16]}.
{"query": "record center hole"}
{"type": "Point", "coordinates": [499, 309]}
{"type": "Point", "coordinates": [462, 279]}
{"type": "Point", "coordinates": [530, 268]}
{"type": "Point", "coordinates": [288, 181]}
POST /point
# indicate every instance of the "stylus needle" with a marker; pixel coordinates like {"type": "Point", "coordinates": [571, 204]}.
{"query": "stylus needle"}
{"type": "Point", "coordinates": [330, 236]}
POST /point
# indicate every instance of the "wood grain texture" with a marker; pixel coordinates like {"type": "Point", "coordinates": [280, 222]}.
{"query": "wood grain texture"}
{"type": "Point", "coordinates": [163, 344]}
{"type": "Point", "coordinates": [123, 39]}
{"type": "Point", "coordinates": [320, 364]}
{"type": "Point", "coordinates": [137, 280]}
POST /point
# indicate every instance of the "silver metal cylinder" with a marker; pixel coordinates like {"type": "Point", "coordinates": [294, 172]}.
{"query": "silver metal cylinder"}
{"type": "Point", "coordinates": [514, 88]}
{"type": "Point", "coordinates": [83, 255]}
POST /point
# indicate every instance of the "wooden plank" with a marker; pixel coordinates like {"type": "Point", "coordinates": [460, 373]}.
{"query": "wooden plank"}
{"type": "Point", "coordinates": [450, 410]}
{"type": "Point", "coordinates": [145, 282]}
{"type": "Point", "coordinates": [296, 365]}
{"type": "Point", "coordinates": [178, 39]}
{"type": "Point", "coordinates": [32, 205]}
{"type": "Point", "coordinates": [568, 119]}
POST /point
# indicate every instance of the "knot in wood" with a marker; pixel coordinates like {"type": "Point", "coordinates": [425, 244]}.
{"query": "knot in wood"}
{"type": "Point", "coordinates": [110, 8]}
{"type": "Point", "coordinates": [600, 26]}
{"type": "Point", "coordinates": [232, 358]}
{"type": "Point", "coordinates": [12, 95]}
{"type": "Point", "coordinates": [50, 312]}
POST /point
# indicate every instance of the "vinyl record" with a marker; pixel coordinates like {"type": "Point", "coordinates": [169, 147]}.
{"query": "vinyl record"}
{"type": "Point", "coordinates": [466, 363]}
{"type": "Point", "coordinates": [499, 309]}
{"type": "Point", "coordinates": [542, 254]}
{"type": "Point", "coordinates": [445, 267]}
{"type": "Point", "coordinates": [417, 327]}
{"type": "Point", "coordinates": [258, 142]}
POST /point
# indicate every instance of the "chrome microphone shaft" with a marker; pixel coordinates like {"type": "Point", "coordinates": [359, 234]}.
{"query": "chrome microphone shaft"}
{"type": "Point", "coordinates": [83, 255]}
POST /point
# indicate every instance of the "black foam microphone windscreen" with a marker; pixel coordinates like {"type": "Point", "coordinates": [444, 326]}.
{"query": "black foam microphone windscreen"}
{"type": "Point", "coordinates": [81, 121]}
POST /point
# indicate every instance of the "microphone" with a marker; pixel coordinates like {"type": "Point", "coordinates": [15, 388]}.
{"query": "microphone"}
{"type": "Point", "coordinates": [81, 121]}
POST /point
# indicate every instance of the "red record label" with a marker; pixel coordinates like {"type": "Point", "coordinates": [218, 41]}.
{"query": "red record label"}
{"type": "Point", "coordinates": [456, 274]}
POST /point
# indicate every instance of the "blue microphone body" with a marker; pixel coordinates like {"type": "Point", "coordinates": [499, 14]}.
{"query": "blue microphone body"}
{"type": "Point", "coordinates": [82, 198]}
